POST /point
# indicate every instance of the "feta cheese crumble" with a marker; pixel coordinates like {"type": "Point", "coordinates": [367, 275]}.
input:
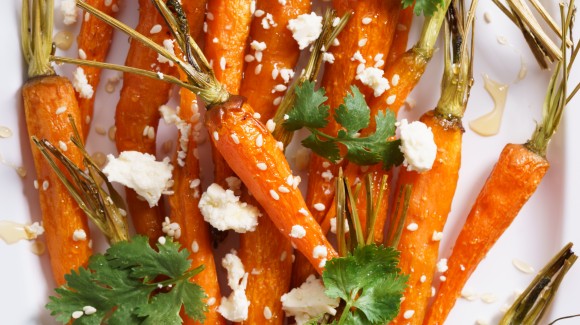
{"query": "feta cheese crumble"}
{"type": "Point", "coordinates": [142, 173]}
{"type": "Point", "coordinates": [224, 211]}
{"type": "Point", "coordinates": [305, 29]}
{"type": "Point", "coordinates": [333, 228]}
{"type": "Point", "coordinates": [417, 145]}
{"type": "Point", "coordinates": [68, 8]}
{"type": "Point", "coordinates": [81, 84]}
{"type": "Point", "coordinates": [235, 307]}
{"type": "Point", "coordinates": [373, 77]}
{"type": "Point", "coordinates": [308, 301]}
{"type": "Point", "coordinates": [297, 231]}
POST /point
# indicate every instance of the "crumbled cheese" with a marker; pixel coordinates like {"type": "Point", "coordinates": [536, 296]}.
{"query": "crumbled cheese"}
{"type": "Point", "coordinates": [417, 145]}
{"type": "Point", "coordinates": [224, 211]}
{"type": "Point", "coordinates": [81, 84]}
{"type": "Point", "coordinates": [333, 228]}
{"type": "Point", "coordinates": [437, 236]}
{"type": "Point", "coordinates": [235, 307]}
{"type": "Point", "coordinates": [328, 57]}
{"type": "Point", "coordinates": [142, 173]}
{"type": "Point", "coordinates": [268, 21]}
{"type": "Point", "coordinates": [34, 230]}
{"type": "Point", "coordinates": [412, 226]}
{"type": "Point", "coordinates": [373, 78]}
{"type": "Point", "coordinates": [319, 251]}
{"type": "Point", "coordinates": [286, 74]}
{"type": "Point", "coordinates": [305, 29]}
{"type": "Point", "coordinates": [79, 235]}
{"type": "Point", "coordinates": [442, 265]}
{"type": "Point", "coordinates": [327, 175]}
{"type": "Point", "coordinates": [68, 8]}
{"type": "Point", "coordinates": [308, 301]}
{"type": "Point", "coordinates": [170, 117]}
{"type": "Point", "coordinates": [258, 46]}
{"type": "Point", "coordinates": [297, 231]}
{"type": "Point", "coordinates": [168, 45]}
{"type": "Point", "coordinates": [357, 56]}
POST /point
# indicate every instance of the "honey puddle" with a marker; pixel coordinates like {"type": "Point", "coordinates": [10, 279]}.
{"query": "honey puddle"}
{"type": "Point", "coordinates": [488, 124]}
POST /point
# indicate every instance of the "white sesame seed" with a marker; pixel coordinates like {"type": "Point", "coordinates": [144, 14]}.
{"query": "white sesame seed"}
{"type": "Point", "coordinates": [258, 69]}
{"type": "Point", "coordinates": [267, 313]}
{"type": "Point", "coordinates": [443, 278]}
{"type": "Point", "coordinates": [223, 63]}
{"type": "Point", "coordinates": [408, 314]}
{"type": "Point", "coordinates": [258, 56]}
{"type": "Point", "coordinates": [367, 20]}
{"type": "Point", "coordinates": [412, 226]}
{"type": "Point", "coordinates": [277, 102]}
{"type": "Point", "coordinates": [262, 166]}
{"type": "Point", "coordinates": [303, 212]}
{"type": "Point", "coordinates": [60, 110]}
{"type": "Point", "coordinates": [280, 145]}
{"type": "Point", "coordinates": [391, 99]}
{"type": "Point", "coordinates": [89, 310]}
{"type": "Point", "coordinates": [62, 146]}
{"type": "Point", "coordinates": [205, 27]}
{"type": "Point", "coordinates": [77, 314]}
{"type": "Point", "coordinates": [488, 298]}
{"type": "Point", "coordinates": [235, 138]}
{"type": "Point", "coordinates": [87, 16]}
{"type": "Point", "coordinates": [161, 240]}
{"type": "Point", "coordinates": [362, 42]}
{"type": "Point", "coordinates": [215, 40]}
{"type": "Point", "coordinates": [283, 256]}
{"type": "Point", "coordinates": [442, 265]}
{"type": "Point", "coordinates": [259, 13]}
{"type": "Point", "coordinates": [249, 58]}
{"type": "Point", "coordinates": [522, 266]}
{"type": "Point", "coordinates": [195, 247]}
{"type": "Point", "coordinates": [322, 262]}
{"type": "Point", "coordinates": [259, 141]}
{"type": "Point", "coordinates": [274, 195]}
{"type": "Point", "coordinates": [271, 125]}
{"type": "Point", "coordinates": [35, 184]}
{"type": "Point", "coordinates": [155, 29]}
{"type": "Point", "coordinates": [257, 115]}
{"type": "Point", "coordinates": [280, 87]}
{"type": "Point", "coordinates": [45, 185]}
{"type": "Point", "coordinates": [209, 16]}
{"type": "Point", "coordinates": [82, 54]}
{"type": "Point", "coordinates": [195, 183]}
{"type": "Point", "coordinates": [437, 236]}
{"type": "Point", "coordinates": [216, 136]}
{"type": "Point", "coordinates": [423, 278]}
{"type": "Point", "coordinates": [395, 80]}
{"type": "Point", "coordinates": [211, 301]}
{"type": "Point", "coordinates": [461, 267]}
{"type": "Point", "coordinates": [319, 207]}
{"type": "Point", "coordinates": [283, 189]}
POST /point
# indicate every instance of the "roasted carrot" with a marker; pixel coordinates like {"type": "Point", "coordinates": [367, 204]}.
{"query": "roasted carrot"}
{"type": "Point", "coordinates": [372, 25]}
{"type": "Point", "coordinates": [48, 100]}
{"type": "Point", "coordinates": [513, 180]}
{"type": "Point", "coordinates": [137, 115]}
{"type": "Point", "coordinates": [401, 38]}
{"type": "Point", "coordinates": [93, 41]}
{"type": "Point", "coordinates": [194, 231]}
{"type": "Point", "coordinates": [272, 262]}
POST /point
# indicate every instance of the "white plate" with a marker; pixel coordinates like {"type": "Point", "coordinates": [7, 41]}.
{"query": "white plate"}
{"type": "Point", "coordinates": [546, 223]}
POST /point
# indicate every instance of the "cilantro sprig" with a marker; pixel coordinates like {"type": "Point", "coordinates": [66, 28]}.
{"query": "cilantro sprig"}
{"type": "Point", "coordinates": [353, 115]}
{"type": "Point", "coordinates": [425, 7]}
{"type": "Point", "coordinates": [132, 283]}
{"type": "Point", "coordinates": [369, 283]}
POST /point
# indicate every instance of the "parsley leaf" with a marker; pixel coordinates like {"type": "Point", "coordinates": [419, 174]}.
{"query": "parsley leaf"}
{"type": "Point", "coordinates": [369, 282]}
{"type": "Point", "coordinates": [425, 7]}
{"type": "Point", "coordinates": [353, 115]}
{"type": "Point", "coordinates": [122, 286]}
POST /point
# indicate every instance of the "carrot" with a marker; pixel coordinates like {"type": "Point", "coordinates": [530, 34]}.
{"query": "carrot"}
{"type": "Point", "coordinates": [93, 41]}
{"type": "Point", "coordinates": [513, 180]}
{"type": "Point", "coordinates": [228, 27]}
{"type": "Point", "coordinates": [194, 231]}
{"type": "Point", "coordinates": [399, 45]}
{"type": "Point", "coordinates": [374, 23]}
{"type": "Point", "coordinates": [256, 249]}
{"type": "Point", "coordinates": [266, 173]}
{"type": "Point", "coordinates": [48, 99]}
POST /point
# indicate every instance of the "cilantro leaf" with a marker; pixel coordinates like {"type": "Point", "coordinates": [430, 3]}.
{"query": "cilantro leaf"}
{"type": "Point", "coordinates": [369, 282]}
{"type": "Point", "coordinates": [308, 110]}
{"type": "Point", "coordinates": [327, 149]}
{"type": "Point", "coordinates": [119, 285]}
{"type": "Point", "coordinates": [425, 7]}
{"type": "Point", "coordinates": [354, 113]}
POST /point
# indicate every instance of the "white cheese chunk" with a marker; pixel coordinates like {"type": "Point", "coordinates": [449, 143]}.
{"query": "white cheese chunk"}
{"type": "Point", "coordinates": [305, 29]}
{"type": "Point", "coordinates": [140, 172]}
{"type": "Point", "coordinates": [81, 84]}
{"type": "Point", "coordinates": [224, 211]}
{"type": "Point", "coordinates": [373, 77]}
{"type": "Point", "coordinates": [69, 11]}
{"type": "Point", "coordinates": [417, 145]}
{"type": "Point", "coordinates": [235, 307]}
{"type": "Point", "coordinates": [308, 301]}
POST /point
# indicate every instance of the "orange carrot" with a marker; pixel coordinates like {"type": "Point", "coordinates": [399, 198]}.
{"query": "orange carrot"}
{"type": "Point", "coordinates": [267, 175]}
{"type": "Point", "coordinates": [48, 100]}
{"type": "Point", "coordinates": [512, 181]}
{"type": "Point", "coordinates": [400, 40]}
{"type": "Point", "coordinates": [228, 27]}
{"type": "Point", "coordinates": [93, 41]}
{"type": "Point", "coordinates": [272, 262]}
{"type": "Point", "coordinates": [183, 204]}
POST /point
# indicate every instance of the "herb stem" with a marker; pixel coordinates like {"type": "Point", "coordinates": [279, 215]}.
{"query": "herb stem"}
{"type": "Point", "coordinates": [185, 276]}
{"type": "Point", "coordinates": [430, 31]}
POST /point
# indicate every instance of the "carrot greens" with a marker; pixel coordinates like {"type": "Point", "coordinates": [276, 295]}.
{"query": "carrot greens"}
{"type": "Point", "coordinates": [120, 287]}
{"type": "Point", "coordinates": [353, 114]}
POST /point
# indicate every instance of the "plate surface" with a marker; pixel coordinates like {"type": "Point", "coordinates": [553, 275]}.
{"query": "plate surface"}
{"type": "Point", "coordinates": [547, 222]}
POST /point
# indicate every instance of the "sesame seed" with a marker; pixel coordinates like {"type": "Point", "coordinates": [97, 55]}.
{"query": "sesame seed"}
{"type": "Point", "coordinates": [249, 58]}
{"type": "Point", "coordinates": [443, 278]}
{"type": "Point", "coordinates": [209, 16]}
{"type": "Point", "coordinates": [437, 236]}
{"type": "Point", "coordinates": [280, 87]}
{"type": "Point", "coordinates": [258, 69]}
{"type": "Point", "coordinates": [283, 256]}
{"type": "Point", "coordinates": [283, 189]}
{"type": "Point", "coordinates": [195, 247]}
{"type": "Point", "coordinates": [77, 314]}
{"type": "Point", "coordinates": [277, 102]}
{"type": "Point", "coordinates": [89, 310]}
{"type": "Point", "coordinates": [257, 115]}
{"type": "Point", "coordinates": [523, 266]}
{"type": "Point", "coordinates": [362, 42]}
{"type": "Point", "coordinates": [391, 99]}
{"type": "Point", "coordinates": [62, 146]}
{"type": "Point", "coordinates": [235, 138]}
{"type": "Point", "coordinates": [259, 13]}
{"type": "Point", "coordinates": [215, 40]}
{"type": "Point", "coordinates": [211, 301]}
{"type": "Point", "coordinates": [259, 141]}
{"type": "Point", "coordinates": [45, 185]}
{"type": "Point", "coordinates": [60, 110]}
{"type": "Point", "coordinates": [258, 56]}
{"type": "Point", "coordinates": [79, 235]}
{"type": "Point", "coordinates": [87, 16]}
{"type": "Point", "coordinates": [423, 278]}
{"type": "Point", "coordinates": [195, 183]}
{"type": "Point", "coordinates": [223, 63]}
{"type": "Point", "coordinates": [82, 54]}
{"type": "Point", "coordinates": [395, 80]}
{"type": "Point", "coordinates": [274, 195]}
{"type": "Point", "coordinates": [155, 29]}
{"type": "Point", "coordinates": [303, 212]}
{"type": "Point", "coordinates": [271, 125]}
{"type": "Point", "coordinates": [366, 20]}
{"type": "Point", "coordinates": [319, 207]}
{"type": "Point", "coordinates": [280, 145]}
{"type": "Point", "coordinates": [161, 240]}
{"type": "Point", "coordinates": [408, 314]}
{"type": "Point", "coordinates": [262, 166]}
{"type": "Point", "coordinates": [412, 226]}
{"type": "Point", "coordinates": [322, 262]}
{"type": "Point", "coordinates": [35, 184]}
{"type": "Point", "coordinates": [267, 313]}
{"type": "Point", "coordinates": [216, 136]}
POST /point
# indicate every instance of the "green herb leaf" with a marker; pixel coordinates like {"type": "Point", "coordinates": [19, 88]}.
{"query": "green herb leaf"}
{"type": "Point", "coordinates": [425, 7]}
{"type": "Point", "coordinates": [353, 115]}
{"type": "Point", "coordinates": [308, 110]}
{"type": "Point", "coordinates": [369, 282]}
{"type": "Point", "coordinates": [120, 285]}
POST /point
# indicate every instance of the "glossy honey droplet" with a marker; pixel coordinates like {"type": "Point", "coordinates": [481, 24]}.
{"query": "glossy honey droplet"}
{"type": "Point", "coordinates": [488, 124]}
{"type": "Point", "coordinates": [5, 132]}
{"type": "Point", "coordinates": [63, 40]}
